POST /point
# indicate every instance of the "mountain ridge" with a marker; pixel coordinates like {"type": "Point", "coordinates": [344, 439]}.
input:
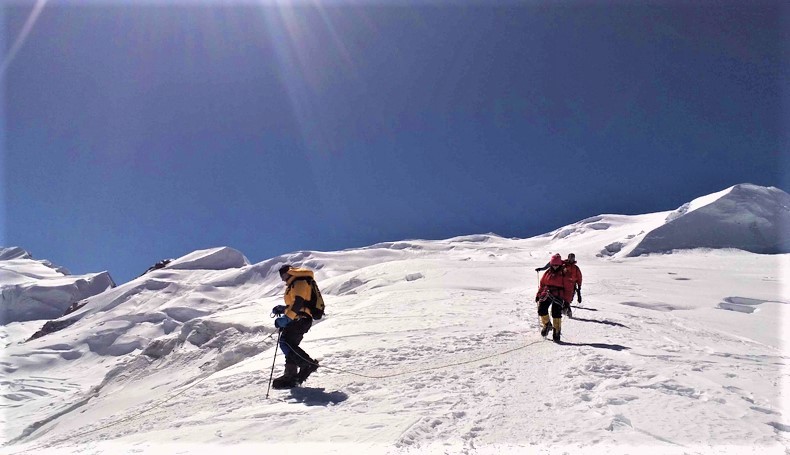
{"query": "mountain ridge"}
{"type": "Point", "coordinates": [427, 340]}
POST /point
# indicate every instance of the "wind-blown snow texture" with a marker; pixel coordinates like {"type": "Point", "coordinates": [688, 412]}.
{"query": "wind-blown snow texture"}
{"type": "Point", "coordinates": [747, 217]}
{"type": "Point", "coordinates": [31, 289]}
{"type": "Point", "coordinates": [427, 347]}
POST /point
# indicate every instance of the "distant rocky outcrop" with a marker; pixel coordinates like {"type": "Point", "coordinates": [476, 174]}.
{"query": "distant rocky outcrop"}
{"type": "Point", "coordinates": [51, 327]}
{"type": "Point", "coordinates": [159, 265]}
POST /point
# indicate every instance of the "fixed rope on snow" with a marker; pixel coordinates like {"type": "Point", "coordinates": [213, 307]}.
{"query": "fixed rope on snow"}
{"type": "Point", "coordinates": [119, 421]}
{"type": "Point", "coordinates": [385, 376]}
{"type": "Point", "coordinates": [420, 370]}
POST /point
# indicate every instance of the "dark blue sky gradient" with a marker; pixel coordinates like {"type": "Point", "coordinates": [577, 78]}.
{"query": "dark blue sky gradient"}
{"type": "Point", "coordinates": [135, 133]}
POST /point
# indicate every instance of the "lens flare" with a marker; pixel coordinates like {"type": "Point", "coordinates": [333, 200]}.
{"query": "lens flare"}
{"type": "Point", "coordinates": [23, 34]}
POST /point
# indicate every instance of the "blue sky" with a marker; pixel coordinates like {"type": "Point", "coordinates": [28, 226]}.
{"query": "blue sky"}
{"type": "Point", "coordinates": [136, 133]}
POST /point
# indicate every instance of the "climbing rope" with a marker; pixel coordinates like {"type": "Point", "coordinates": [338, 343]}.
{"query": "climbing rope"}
{"type": "Point", "coordinates": [419, 370]}
{"type": "Point", "coordinates": [119, 421]}
{"type": "Point", "coordinates": [310, 361]}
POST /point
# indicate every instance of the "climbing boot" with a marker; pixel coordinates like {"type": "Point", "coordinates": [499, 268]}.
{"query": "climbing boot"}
{"type": "Point", "coordinates": [557, 329]}
{"type": "Point", "coordinates": [545, 325]}
{"type": "Point", "coordinates": [288, 379]}
{"type": "Point", "coordinates": [306, 371]}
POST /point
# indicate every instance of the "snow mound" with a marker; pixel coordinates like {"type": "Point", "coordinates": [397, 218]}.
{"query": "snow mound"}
{"type": "Point", "coordinates": [405, 245]}
{"type": "Point", "coordinates": [36, 289]}
{"type": "Point", "coordinates": [15, 253]}
{"type": "Point", "coordinates": [596, 223]}
{"type": "Point", "coordinates": [221, 258]}
{"type": "Point", "coordinates": [697, 203]}
{"type": "Point", "coordinates": [50, 297]}
{"type": "Point", "coordinates": [146, 310]}
{"type": "Point", "coordinates": [476, 238]}
{"type": "Point", "coordinates": [746, 217]}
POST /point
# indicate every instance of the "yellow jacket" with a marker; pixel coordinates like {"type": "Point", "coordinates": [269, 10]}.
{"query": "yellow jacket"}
{"type": "Point", "coordinates": [297, 293]}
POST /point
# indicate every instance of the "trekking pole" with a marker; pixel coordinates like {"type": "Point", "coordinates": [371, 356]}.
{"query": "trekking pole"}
{"type": "Point", "coordinates": [273, 360]}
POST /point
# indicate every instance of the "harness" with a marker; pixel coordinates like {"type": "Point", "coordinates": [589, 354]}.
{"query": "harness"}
{"type": "Point", "coordinates": [552, 291]}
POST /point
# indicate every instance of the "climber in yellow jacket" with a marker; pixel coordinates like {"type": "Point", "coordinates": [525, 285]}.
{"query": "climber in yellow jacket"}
{"type": "Point", "coordinates": [294, 321]}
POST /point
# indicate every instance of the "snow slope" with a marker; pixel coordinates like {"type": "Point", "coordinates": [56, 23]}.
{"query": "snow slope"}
{"type": "Point", "coordinates": [32, 289]}
{"type": "Point", "coordinates": [747, 217]}
{"type": "Point", "coordinates": [427, 347]}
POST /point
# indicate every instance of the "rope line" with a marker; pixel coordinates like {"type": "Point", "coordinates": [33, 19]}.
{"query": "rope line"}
{"type": "Point", "coordinates": [310, 361]}
{"type": "Point", "coordinates": [419, 370]}
{"type": "Point", "coordinates": [119, 421]}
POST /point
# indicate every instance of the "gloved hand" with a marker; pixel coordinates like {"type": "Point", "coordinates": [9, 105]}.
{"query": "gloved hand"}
{"type": "Point", "coordinates": [539, 269]}
{"type": "Point", "coordinates": [579, 295]}
{"type": "Point", "coordinates": [282, 322]}
{"type": "Point", "coordinates": [278, 310]}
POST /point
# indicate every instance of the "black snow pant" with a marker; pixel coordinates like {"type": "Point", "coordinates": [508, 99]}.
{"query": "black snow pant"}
{"type": "Point", "coordinates": [290, 338]}
{"type": "Point", "coordinates": [556, 307]}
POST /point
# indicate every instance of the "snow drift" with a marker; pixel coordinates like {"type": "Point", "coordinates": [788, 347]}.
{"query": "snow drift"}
{"type": "Point", "coordinates": [427, 347]}
{"type": "Point", "coordinates": [32, 289]}
{"type": "Point", "coordinates": [211, 259]}
{"type": "Point", "coordinates": [746, 217]}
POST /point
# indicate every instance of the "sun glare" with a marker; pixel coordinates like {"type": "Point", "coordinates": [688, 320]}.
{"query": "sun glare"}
{"type": "Point", "coordinates": [23, 34]}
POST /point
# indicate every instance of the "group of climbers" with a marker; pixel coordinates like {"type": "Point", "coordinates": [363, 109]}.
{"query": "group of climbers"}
{"type": "Point", "coordinates": [558, 285]}
{"type": "Point", "coordinates": [561, 281]}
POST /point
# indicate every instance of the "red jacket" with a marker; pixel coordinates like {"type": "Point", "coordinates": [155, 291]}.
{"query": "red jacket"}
{"type": "Point", "coordinates": [575, 273]}
{"type": "Point", "coordinates": [557, 283]}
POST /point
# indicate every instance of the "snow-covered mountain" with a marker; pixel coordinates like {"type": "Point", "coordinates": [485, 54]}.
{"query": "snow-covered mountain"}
{"type": "Point", "coordinates": [37, 289]}
{"type": "Point", "coordinates": [746, 217]}
{"type": "Point", "coordinates": [431, 347]}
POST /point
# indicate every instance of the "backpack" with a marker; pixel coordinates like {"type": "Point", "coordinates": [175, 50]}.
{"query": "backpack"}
{"type": "Point", "coordinates": [316, 302]}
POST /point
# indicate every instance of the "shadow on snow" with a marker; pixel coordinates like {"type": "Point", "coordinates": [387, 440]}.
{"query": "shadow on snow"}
{"type": "Point", "coordinates": [316, 396]}
{"type": "Point", "coordinates": [613, 347]}
{"type": "Point", "coordinates": [579, 307]}
{"type": "Point", "coordinates": [605, 322]}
